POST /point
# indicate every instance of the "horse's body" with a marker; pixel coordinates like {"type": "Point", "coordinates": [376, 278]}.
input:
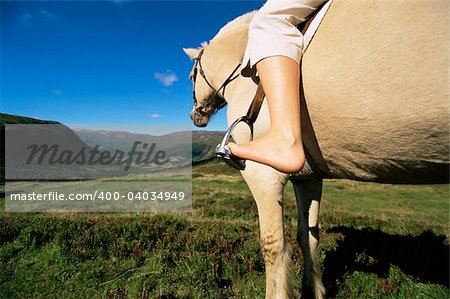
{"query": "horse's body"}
{"type": "Point", "coordinates": [376, 86]}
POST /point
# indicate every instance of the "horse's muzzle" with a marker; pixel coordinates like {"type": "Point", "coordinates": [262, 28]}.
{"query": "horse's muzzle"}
{"type": "Point", "coordinates": [199, 119]}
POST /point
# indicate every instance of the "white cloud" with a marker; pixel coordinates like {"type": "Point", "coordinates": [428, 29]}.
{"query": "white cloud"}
{"type": "Point", "coordinates": [47, 16]}
{"type": "Point", "coordinates": [154, 115]}
{"type": "Point", "coordinates": [28, 18]}
{"type": "Point", "coordinates": [167, 78]}
{"type": "Point", "coordinates": [25, 19]}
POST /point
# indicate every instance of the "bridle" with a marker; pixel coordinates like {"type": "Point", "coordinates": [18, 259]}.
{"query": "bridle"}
{"type": "Point", "coordinates": [209, 101]}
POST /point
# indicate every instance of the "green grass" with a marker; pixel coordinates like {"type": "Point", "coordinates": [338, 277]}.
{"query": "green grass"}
{"type": "Point", "coordinates": [395, 285]}
{"type": "Point", "coordinates": [377, 241]}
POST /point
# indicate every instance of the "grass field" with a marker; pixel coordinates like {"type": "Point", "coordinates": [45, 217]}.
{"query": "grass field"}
{"type": "Point", "coordinates": [377, 241]}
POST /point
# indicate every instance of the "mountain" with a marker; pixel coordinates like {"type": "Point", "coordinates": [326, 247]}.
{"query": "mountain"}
{"type": "Point", "coordinates": [41, 149]}
{"type": "Point", "coordinates": [203, 142]}
{"type": "Point", "coordinates": [176, 144]}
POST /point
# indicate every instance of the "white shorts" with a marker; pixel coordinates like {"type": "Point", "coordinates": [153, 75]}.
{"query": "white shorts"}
{"type": "Point", "coordinates": [273, 31]}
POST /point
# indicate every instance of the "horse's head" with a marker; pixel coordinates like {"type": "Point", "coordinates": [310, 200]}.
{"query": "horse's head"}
{"type": "Point", "coordinates": [208, 99]}
{"type": "Point", "coordinates": [215, 65]}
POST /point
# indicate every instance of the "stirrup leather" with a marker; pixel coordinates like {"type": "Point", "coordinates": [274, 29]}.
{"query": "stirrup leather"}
{"type": "Point", "coordinates": [222, 151]}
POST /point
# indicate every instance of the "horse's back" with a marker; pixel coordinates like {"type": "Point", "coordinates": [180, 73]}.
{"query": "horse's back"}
{"type": "Point", "coordinates": [376, 85]}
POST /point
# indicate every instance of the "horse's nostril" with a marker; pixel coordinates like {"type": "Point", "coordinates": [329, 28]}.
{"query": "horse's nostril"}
{"type": "Point", "coordinates": [200, 121]}
{"type": "Point", "coordinates": [200, 124]}
{"type": "Point", "coordinates": [191, 115]}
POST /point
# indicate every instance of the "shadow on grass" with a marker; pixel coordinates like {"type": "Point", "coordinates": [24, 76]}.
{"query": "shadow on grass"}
{"type": "Point", "coordinates": [424, 257]}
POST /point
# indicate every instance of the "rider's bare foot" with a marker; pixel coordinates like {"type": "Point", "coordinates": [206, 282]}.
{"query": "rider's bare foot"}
{"type": "Point", "coordinates": [284, 153]}
{"type": "Point", "coordinates": [281, 147]}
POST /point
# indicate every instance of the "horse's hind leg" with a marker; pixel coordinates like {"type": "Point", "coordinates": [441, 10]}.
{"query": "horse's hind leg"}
{"type": "Point", "coordinates": [267, 186]}
{"type": "Point", "coordinates": [308, 194]}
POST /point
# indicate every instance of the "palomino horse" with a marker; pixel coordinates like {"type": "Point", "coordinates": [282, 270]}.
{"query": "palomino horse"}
{"type": "Point", "coordinates": [375, 80]}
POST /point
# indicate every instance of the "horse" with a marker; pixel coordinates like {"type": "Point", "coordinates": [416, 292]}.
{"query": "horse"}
{"type": "Point", "coordinates": [375, 90]}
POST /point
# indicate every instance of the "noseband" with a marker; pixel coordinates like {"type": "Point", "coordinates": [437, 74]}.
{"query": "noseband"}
{"type": "Point", "coordinates": [230, 78]}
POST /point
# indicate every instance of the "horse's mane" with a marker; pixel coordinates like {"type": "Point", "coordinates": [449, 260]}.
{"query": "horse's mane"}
{"type": "Point", "coordinates": [235, 24]}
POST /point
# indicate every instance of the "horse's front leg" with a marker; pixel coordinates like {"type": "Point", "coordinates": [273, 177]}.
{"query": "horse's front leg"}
{"type": "Point", "coordinates": [266, 185]}
{"type": "Point", "coordinates": [308, 194]}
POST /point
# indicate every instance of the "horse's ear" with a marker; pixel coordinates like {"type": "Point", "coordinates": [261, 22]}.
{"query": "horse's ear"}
{"type": "Point", "coordinates": [191, 52]}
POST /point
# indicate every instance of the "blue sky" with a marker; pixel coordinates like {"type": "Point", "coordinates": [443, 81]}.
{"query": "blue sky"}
{"type": "Point", "coordinates": [105, 62]}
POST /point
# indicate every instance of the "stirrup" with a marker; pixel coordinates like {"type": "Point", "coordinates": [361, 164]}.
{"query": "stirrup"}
{"type": "Point", "coordinates": [222, 152]}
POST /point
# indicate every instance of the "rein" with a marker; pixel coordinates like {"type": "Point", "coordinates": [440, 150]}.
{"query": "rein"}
{"type": "Point", "coordinates": [230, 78]}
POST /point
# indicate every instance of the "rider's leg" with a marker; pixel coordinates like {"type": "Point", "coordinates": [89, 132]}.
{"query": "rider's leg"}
{"type": "Point", "coordinates": [275, 45]}
{"type": "Point", "coordinates": [281, 147]}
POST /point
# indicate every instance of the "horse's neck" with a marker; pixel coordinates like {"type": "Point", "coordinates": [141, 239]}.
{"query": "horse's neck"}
{"type": "Point", "coordinates": [225, 53]}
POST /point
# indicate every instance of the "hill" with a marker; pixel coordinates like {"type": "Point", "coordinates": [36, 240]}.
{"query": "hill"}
{"type": "Point", "coordinates": [17, 119]}
{"type": "Point", "coordinates": [203, 142]}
